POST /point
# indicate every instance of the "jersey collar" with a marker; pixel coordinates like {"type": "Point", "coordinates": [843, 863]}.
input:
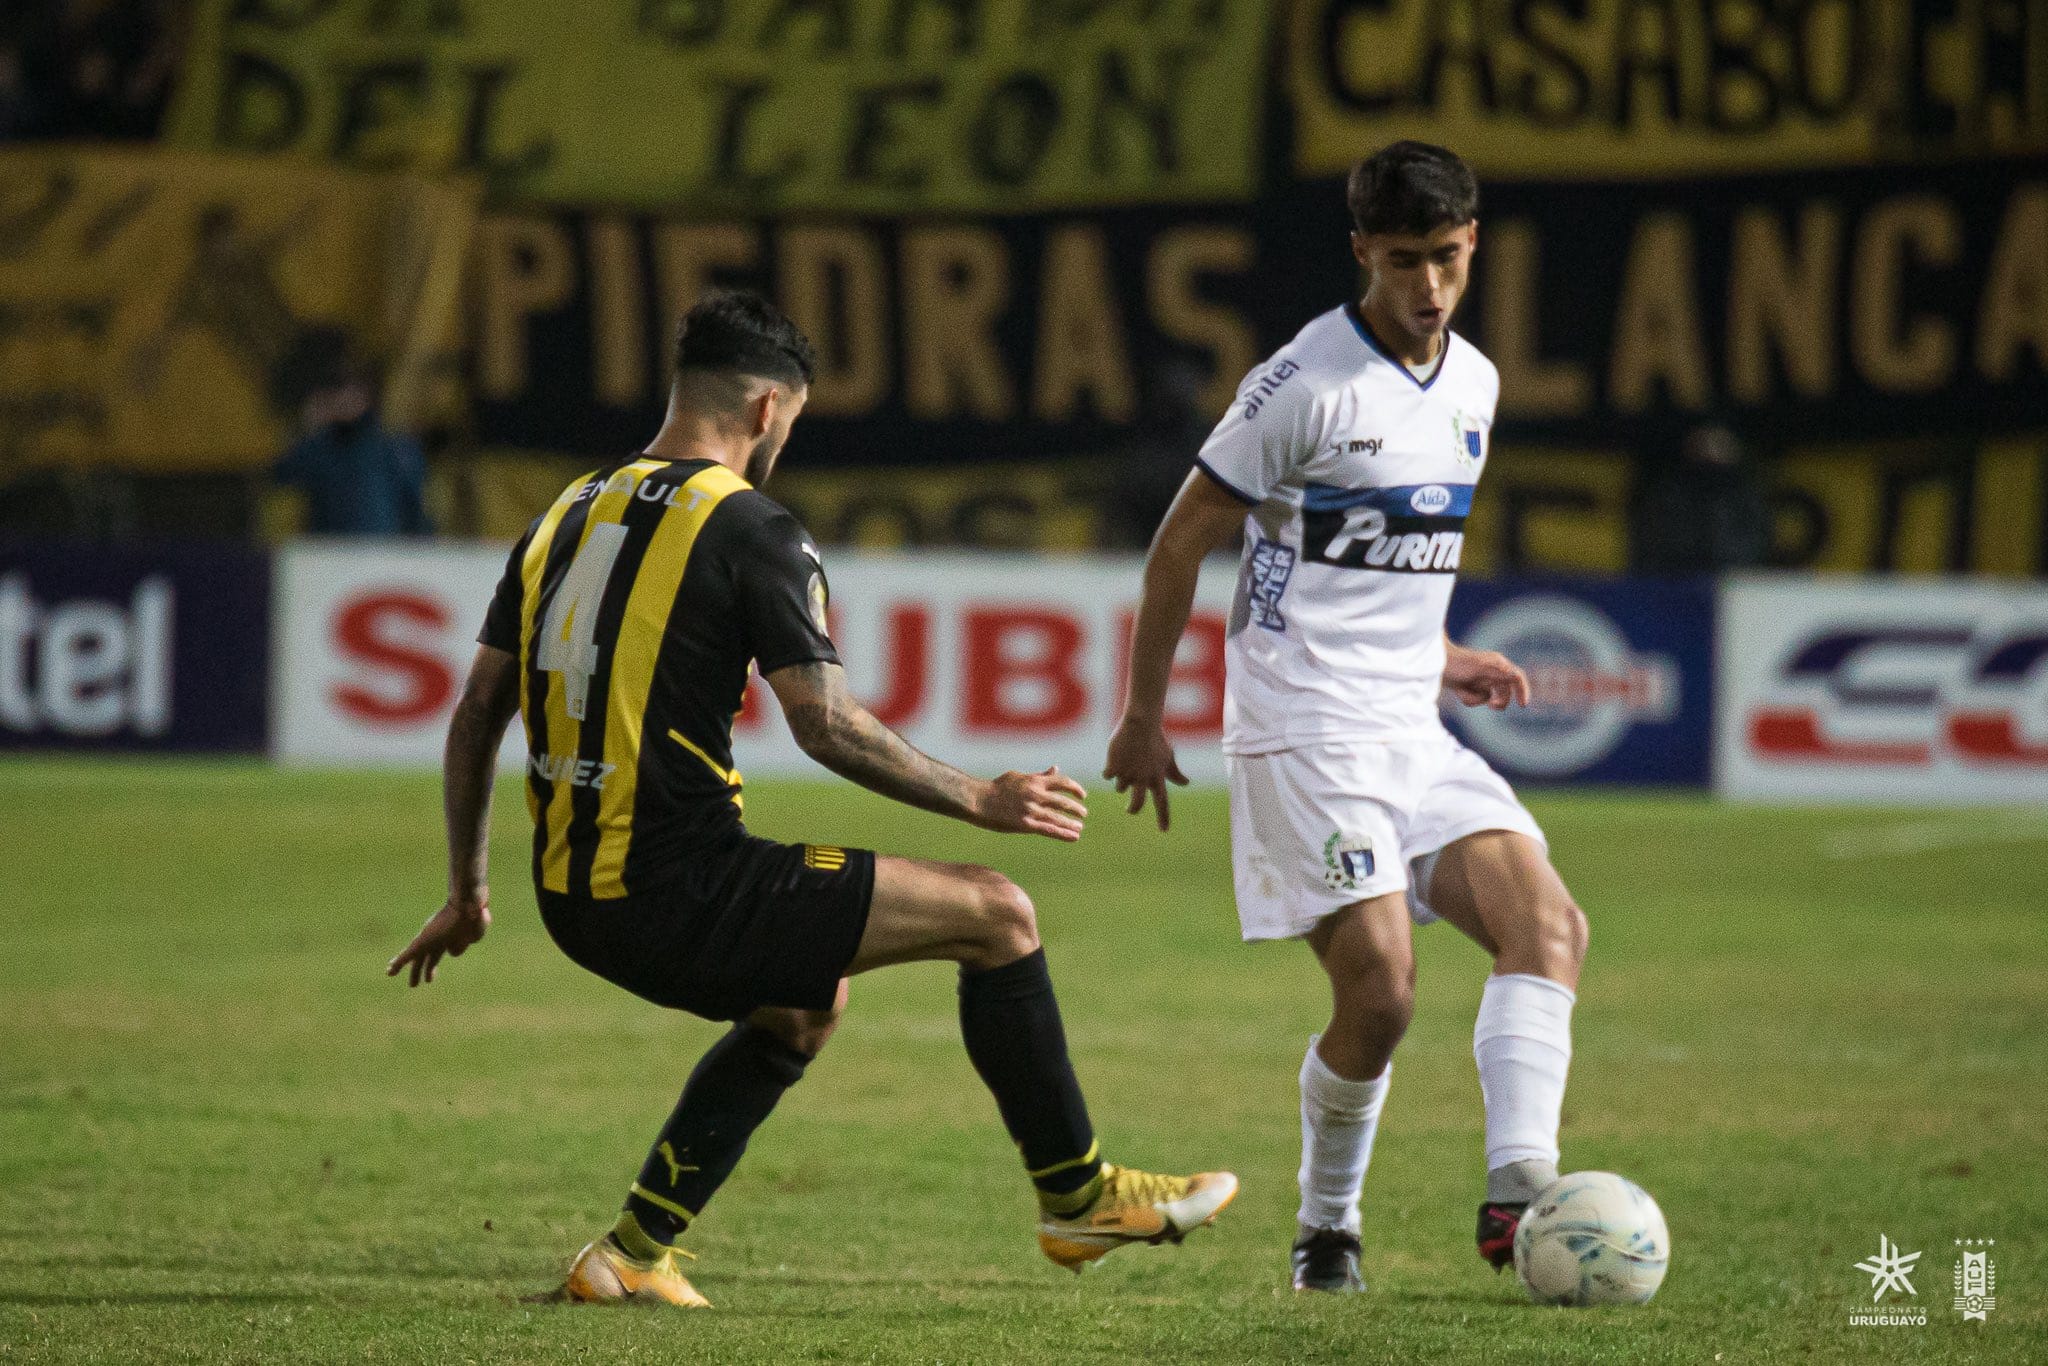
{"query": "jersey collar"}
{"type": "Point", "coordinates": [1381, 349]}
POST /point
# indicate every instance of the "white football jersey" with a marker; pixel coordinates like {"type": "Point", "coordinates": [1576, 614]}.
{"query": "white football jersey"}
{"type": "Point", "coordinates": [1359, 475]}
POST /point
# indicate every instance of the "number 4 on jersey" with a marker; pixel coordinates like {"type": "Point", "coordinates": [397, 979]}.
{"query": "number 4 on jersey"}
{"type": "Point", "coordinates": [568, 644]}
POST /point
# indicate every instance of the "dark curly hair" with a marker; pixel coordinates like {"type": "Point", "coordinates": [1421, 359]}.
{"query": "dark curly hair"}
{"type": "Point", "coordinates": [1411, 188]}
{"type": "Point", "coordinates": [739, 332]}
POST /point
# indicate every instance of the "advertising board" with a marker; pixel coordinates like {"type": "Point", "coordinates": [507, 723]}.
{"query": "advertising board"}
{"type": "Point", "coordinates": [1907, 691]}
{"type": "Point", "coordinates": [1620, 675]}
{"type": "Point", "coordinates": [132, 648]}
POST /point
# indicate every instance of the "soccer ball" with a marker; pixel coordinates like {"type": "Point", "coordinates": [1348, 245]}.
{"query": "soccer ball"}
{"type": "Point", "coordinates": [1592, 1238]}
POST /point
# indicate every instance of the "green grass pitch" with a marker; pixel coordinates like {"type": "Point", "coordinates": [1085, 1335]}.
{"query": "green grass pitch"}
{"type": "Point", "coordinates": [224, 1135]}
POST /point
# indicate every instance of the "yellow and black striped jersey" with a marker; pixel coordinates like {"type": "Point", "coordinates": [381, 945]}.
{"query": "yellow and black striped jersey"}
{"type": "Point", "coordinates": [635, 604]}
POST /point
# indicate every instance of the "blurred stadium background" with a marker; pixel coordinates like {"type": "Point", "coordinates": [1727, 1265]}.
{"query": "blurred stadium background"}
{"type": "Point", "coordinates": [307, 306]}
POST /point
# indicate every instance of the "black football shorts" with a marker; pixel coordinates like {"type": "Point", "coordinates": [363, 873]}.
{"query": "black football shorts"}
{"type": "Point", "coordinates": [751, 923]}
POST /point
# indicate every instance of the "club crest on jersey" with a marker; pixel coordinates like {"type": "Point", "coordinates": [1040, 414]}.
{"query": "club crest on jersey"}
{"type": "Point", "coordinates": [820, 616]}
{"type": "Point", "coordinates": [1346, 863]}
{"type": "Point", "coordinates": [1470, 435]}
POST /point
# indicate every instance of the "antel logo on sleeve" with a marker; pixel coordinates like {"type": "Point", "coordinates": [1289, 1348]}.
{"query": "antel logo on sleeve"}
{"type": "Point", "coordinates": [86, 667]}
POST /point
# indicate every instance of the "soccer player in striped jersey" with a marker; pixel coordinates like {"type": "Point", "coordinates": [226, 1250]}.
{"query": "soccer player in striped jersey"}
{"type": "Point", "coordinates": [1349, 461]}
{"type": "Point", "coordinates": [622, 632]}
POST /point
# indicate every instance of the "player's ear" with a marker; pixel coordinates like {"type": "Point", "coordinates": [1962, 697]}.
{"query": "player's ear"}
{"type": "Point", "coordinates": [763, 409]}
{"type": "Point", "coordinates": [1358, 249]}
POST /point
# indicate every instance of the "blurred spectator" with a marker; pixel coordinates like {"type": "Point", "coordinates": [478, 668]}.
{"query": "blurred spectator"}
{"type": "Point", "coordinates": [19, 111]}
{"type": "Point", "coordinates": [119, 57]}
{"type": "Point", "coordinates": [87, 69]}
{"type": "Point", "coordinates": [1703, 512]}
{"type": "Point", "coordinates": [29, 67]}
{"type": "Point", "coordinates": [359, 477]}
{"type": "Point", "coordinates": [1147, 472]}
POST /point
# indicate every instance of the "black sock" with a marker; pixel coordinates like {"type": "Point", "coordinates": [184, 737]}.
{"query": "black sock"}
{"type": "Point", "coordinates": [1011, 1023]}
{"type": "Point", "coordinates": [733, 1088]}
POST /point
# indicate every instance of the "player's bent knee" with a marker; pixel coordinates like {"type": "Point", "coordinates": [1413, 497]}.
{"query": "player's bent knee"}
{"type": "Point", "coordinates": [1562, 931]}
{"type": "Point", "coordinates": [1551, 940]}
{"type": "Point", "coordinates": [804, 1030]}
{"type": "Point", "coordinates": [1377, 1018]}
{"type": "Point", "coordinates": [1005, 918]}
{"type": "Point", "coordinates": [1578, 931]}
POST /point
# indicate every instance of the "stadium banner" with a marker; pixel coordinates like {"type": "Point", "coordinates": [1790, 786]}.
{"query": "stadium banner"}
{"type": "Point", "coordinates": [940, 341]}
{"type": "Point", "coordinates": [1620, 674]}
{"type": "Point", "coordinates": [873, 106]}
{"type": "Point", "coordinates": [157, 308]}
{"type": "Point", "coordinates": [1822, 307]}
{"type": "Point", "coordinates": [1554, 90]}
{"type": "Point", "coordinates": [373, 640]}
{"type": "Point", "coordinates": [142, 647]}
{"type": "Point", "coordinates": [1896, 691]}
{"type": "Point", "coordinates": [989, 661]}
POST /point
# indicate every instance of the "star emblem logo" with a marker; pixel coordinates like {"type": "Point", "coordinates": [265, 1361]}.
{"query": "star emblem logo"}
{"type": "Point", "coordinates": [1887, 1270]}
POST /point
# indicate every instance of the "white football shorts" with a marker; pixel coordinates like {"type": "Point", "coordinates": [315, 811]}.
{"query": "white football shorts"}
{"type": "Point", "coordinates": [1317, 827]}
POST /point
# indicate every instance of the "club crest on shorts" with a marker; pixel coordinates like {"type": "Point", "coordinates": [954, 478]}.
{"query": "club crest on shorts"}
{"type": "Point", "coordinates": [1346, 863]}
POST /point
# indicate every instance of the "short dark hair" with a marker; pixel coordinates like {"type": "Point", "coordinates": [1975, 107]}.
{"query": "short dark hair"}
{"type": "Point", "coordinates": [1412, 188]}
{"type": "Point", "coordinates": [739, 332]}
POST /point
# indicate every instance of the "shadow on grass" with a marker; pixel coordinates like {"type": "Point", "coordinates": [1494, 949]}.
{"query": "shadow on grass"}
{"type": "Point", "coordinates": [33, 1300]}
{"type": "Point", "coordinates": [1488, 1298]}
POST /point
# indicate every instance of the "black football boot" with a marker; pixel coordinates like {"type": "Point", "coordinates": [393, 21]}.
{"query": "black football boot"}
{"type": "Point", "coordinates": [1498, 1220]}
{"type": "Point", "coordinates": [1326, 1259]}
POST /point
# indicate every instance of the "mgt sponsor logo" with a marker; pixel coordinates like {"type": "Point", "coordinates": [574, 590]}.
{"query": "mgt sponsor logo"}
{"type": "Point", "coordinates": [1906, 694]}
{"type": "Point", "coordinates": [1588, 686]}
{"type": "Point", "coordinates": [86, 667]}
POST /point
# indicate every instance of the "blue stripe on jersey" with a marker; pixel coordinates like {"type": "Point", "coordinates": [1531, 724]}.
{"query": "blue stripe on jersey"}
{"type": "Point", "coordinates": [1398, 501]}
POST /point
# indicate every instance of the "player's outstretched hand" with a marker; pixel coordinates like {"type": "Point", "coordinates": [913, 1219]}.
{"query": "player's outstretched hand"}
{"type": "Point", "coordinates": [1141, 762]}
{"type": "Point", "coordinates": [1484, 678]}
{"type": "Point", "coordinates": [1048, 803]}
{"type": "Point", "coordinates": [458, 924]}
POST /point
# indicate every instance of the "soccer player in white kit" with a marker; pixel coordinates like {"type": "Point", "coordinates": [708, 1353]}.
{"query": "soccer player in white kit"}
{"type": "Point", "coordinates": [1349, 459]}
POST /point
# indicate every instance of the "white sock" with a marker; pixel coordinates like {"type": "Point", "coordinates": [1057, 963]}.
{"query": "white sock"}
{"type": "Point", "coordinates": [1338, 1120]}
{"type": "Point", "coordinates": [1523, 1044]}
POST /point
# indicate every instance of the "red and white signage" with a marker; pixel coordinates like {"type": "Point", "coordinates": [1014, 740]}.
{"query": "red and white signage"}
{"type": "Point", "coordinates": [987, 662]}
{"type": "Point", "coordinates": [372, 642]}
{"type": "Point", "coordinates": [1896, 690]}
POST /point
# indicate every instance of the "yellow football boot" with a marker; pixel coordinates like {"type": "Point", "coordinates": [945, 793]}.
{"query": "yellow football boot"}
{"type": "Point", "coordinates": [604, 1274]}
{"type": "Point", "coordinates": [1134, 1207]}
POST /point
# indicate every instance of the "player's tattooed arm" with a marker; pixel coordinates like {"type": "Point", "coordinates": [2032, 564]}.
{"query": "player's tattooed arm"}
{"type": "Point", "coordinates": [831, 726]}
{"type": "Point", "coordinates": [490, 699]}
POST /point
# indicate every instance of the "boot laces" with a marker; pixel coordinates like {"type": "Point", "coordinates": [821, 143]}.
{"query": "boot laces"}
{"type": "Point", "coordinates": [1129, 1186]}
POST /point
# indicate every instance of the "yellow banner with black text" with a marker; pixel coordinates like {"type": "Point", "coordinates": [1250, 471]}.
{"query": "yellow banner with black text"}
{"type": "Point", "coordinates": [860, 106]}
{"type": "Point", "coordinates": [1552, 89]}
{"type": "Point", "coordinates": [157, 309]}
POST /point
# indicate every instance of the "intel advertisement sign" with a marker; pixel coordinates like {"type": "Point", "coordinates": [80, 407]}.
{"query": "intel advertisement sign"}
{"type": "Point", "coordinates": [1620, 678]}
